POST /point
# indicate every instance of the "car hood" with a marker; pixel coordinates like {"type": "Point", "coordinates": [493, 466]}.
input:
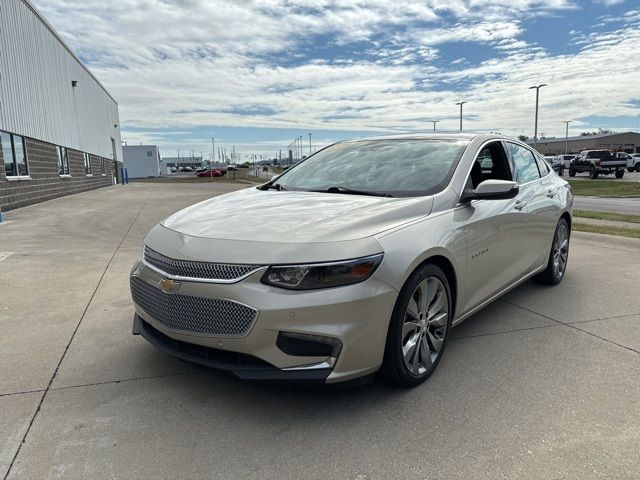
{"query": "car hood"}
{"type": "Point", "coordinates": [295, 217]}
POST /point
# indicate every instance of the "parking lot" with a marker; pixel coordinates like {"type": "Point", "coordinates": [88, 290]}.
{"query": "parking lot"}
{"type": "Point", "coordinates": [541, 384]}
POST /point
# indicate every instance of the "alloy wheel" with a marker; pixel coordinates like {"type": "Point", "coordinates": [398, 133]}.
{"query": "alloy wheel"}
{"type": "Point", "coordinates": [561, 250]}
{"type": "Point", "coordinates": [425, 326]}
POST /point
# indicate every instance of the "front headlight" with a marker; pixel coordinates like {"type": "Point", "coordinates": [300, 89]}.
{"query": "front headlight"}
{"type": "Point", "coordinates": [322, 275]}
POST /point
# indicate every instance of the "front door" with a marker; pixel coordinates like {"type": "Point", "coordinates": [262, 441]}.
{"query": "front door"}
{"type": "Point", "coordinates": [495, 231]}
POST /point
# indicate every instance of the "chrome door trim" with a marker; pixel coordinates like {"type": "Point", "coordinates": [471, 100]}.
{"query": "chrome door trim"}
{"type": "Point", "coordinates": [495, 296]}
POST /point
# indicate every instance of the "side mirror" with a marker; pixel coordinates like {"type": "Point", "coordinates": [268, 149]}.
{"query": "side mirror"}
{"type": "Point", "coordinates": [491, 190]}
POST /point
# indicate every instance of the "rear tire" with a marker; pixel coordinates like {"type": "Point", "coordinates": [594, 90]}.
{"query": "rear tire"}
{"type": "Point", "coordinates": [630, 170]}
{"type": "Point", "coordinates": [638, 167]}
{"type": "Point", "coordinates": [593, 173]}
{"type": "Point", "coordinates": [561, 172]}
{"type": "Point", "coordinates": [619, 173]}
{"type": "Point", "coordinates": [558, 257]}
{"type": "Point", "coordinates": [572, 172]}
{"type": "Point", "coordinates": [418, 328]}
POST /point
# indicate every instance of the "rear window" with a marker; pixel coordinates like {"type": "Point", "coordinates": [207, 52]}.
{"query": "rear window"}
{"type": "Point", "coordinates": [598, 154]}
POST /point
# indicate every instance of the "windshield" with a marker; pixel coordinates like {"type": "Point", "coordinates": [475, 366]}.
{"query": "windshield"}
{"type": "Point", "coordinates": [399, 168]}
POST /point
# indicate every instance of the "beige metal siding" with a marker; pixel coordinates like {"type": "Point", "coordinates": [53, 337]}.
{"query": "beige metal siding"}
{"type": "Point", "coordinates": [36, 96]}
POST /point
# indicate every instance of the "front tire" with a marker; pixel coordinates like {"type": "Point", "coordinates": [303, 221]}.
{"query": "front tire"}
{"type": "Point", "coordinates": [572, 172]}
{"type": "Point", "coordinates": [558, 257]}
{"type": "Point", "coordinates": [418, 328]}
{"type": "Point", "coordinates": [619, 173]}
{"type": "Point", "coordinates": [593, 173]}
{"type": "Point", "coordinates": [638, 167]}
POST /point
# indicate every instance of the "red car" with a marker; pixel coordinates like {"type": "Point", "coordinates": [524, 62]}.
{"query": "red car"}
{"type": "Point", "coordinates": [210, 173]}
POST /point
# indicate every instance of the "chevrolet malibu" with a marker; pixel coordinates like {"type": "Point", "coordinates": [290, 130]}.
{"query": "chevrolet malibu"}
{"type": "Point", "coordinates": [359, 259]}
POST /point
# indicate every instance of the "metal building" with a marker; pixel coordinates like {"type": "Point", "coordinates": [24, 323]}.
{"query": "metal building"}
{"type": "Point", "coordinates": [617, 142]}
{"type": "Point", "coordinates": [59, 126]}
{"type": "Point", "coordinates": [141, 161]}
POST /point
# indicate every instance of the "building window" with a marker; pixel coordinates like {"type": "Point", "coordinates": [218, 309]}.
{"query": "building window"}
{"type": "Point", "coordinates": [63, 161]}
{"type": "Point", "coordinates": [149, 153]}
{"type": "Point", "coordinates": [87, 163]}
{"type": "Point", "coordinates": [14, 154]}
{"type": "Point", "coordinates": [103, 166]}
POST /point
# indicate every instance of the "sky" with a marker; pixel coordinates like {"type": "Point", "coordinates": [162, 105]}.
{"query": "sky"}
{"type": "Point", "coordinates": [256, 74]}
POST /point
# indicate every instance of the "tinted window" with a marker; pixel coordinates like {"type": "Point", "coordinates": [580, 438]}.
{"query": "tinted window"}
{"type": "Point", "coordinates": [395, 167]}
{"type": "Point", "coordinates": [7, 152]}
{"type": "Point", "coordinates": [598, 154]}
{"type": "Point", "coordinates": [14, 155]}
{"type": "Point", "coordinates": [525, 163]}
{"type": "Point", "coordinates": [63, 161]}
{"type": "Point", "coordinates": [544, 165]}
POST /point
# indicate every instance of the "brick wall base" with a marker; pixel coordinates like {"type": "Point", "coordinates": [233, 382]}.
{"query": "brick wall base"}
{"type": "Point", "coordinates": [45, 183]}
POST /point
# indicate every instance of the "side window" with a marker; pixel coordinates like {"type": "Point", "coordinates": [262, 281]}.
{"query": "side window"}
{"type": "Point", "coordinates": [525, 163]}
{"type": "Point", "coordinates": [542, 166]}
{"type": "Point", "coordinates": [63, 161]}
{"type": "Point", "coordinates": [14, 155]}
{"type": "Point", "coordinates": [87, 163]}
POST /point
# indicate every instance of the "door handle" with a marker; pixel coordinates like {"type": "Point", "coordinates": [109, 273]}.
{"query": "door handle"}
{"type": "Point", "coordinates": [551, 193]}
{"type": "Point", "coordinates": [519, 205]}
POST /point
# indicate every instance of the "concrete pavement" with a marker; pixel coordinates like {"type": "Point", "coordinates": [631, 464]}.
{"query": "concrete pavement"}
{"type": "Point", "coordinates": [541, 384]}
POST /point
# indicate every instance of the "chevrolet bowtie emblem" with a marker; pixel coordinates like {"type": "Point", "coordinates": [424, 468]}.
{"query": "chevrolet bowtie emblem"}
{"type": "Point", "coordinates": [168, 285]}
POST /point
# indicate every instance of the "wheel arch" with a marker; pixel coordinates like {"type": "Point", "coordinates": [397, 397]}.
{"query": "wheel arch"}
{"type": "Point", "coordinates": [446, 265]}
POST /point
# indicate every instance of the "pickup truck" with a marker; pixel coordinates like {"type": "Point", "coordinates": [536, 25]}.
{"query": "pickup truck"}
{"type": "Point", "coordinates": [597, 162]}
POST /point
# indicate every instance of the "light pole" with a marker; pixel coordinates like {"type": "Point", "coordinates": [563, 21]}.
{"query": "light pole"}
{"type": "Point", "coordinates": [213, 149]}
{"type": "Point", "coordinates": [461, 103]}
{"type": "Point", "coordinates": [434, 124]}
{"type": "Point", "coordinates": [309, 144]}
{"type": "Point", "coordinates": [535, 132]}
{"type": "Point", "coordinates": [566, 135]}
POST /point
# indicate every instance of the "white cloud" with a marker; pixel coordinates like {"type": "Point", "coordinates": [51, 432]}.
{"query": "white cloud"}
{"type": "Point", "coordinates": [196, 62]}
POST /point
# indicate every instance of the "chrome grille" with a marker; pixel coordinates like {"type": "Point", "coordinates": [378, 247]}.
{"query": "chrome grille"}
{"type": "Point", "coordinates": [184, 313]}
{"type": "Point", "coordinates": [187, 268]}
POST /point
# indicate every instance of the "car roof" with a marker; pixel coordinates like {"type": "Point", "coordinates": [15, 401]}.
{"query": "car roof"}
{"type": "Point", "coordinates": [468, 136]}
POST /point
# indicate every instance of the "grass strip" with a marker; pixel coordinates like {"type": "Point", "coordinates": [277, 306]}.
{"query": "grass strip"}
{"type": "Point", "coordinates": [605, 188]}
{"type": "Point", "coordinates": [617, 231]}
{"type": "Point", "coordinates": [615, 217]}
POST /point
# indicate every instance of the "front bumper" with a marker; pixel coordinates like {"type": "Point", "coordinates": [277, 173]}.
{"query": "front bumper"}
{"type": "Point", "coordinates": [356, 315]}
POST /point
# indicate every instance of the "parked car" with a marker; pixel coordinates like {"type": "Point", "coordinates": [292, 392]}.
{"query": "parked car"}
{"type": "Point", "coordinates": [597, 162]}
{"type": "Point", "coordinates": [210, 173]}
{"type": "Point", "coordinates": [186, 169]}
{"type": "Point", "coordinates": [566, 159]}
{"type": "Point", "coordinates": [173, 170]}
{"type": "Point", "coordinates": [338, 269]}
{"type": "Point", "coordinates": [232, 168]}
{"type": "Point", "coordinates": [633, 164]}
{"type": "Point", "coordinates": [556, 163]}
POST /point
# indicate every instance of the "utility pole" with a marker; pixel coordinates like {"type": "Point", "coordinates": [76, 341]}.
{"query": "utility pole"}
{"type": "Point", "coordinates": [460, 103]}
{"type": "Point", "coordinates": [309, 144]}
{"type": "Point", "coordinates": [434, 124]}
{"type": "Point", "coordinates": [213, 149]}
{"type": "Point", "coordinates": [535, 134]}
{"type": "Point", "coordinates": [566, 135]}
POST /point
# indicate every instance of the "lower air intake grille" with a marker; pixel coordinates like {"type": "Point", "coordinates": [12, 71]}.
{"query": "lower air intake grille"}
{"type": "Point", "coordinates": [184, 313]}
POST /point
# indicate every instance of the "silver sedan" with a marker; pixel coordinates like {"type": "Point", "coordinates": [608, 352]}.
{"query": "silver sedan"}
{"type": "Point", "coordinates": [358, 260]}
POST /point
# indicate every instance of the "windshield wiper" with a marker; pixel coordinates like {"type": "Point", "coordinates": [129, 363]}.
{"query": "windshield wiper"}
{"type": "Point", "coordinates": [275, 186]}
{"type": "Point", "coordinates": [349, 191]}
